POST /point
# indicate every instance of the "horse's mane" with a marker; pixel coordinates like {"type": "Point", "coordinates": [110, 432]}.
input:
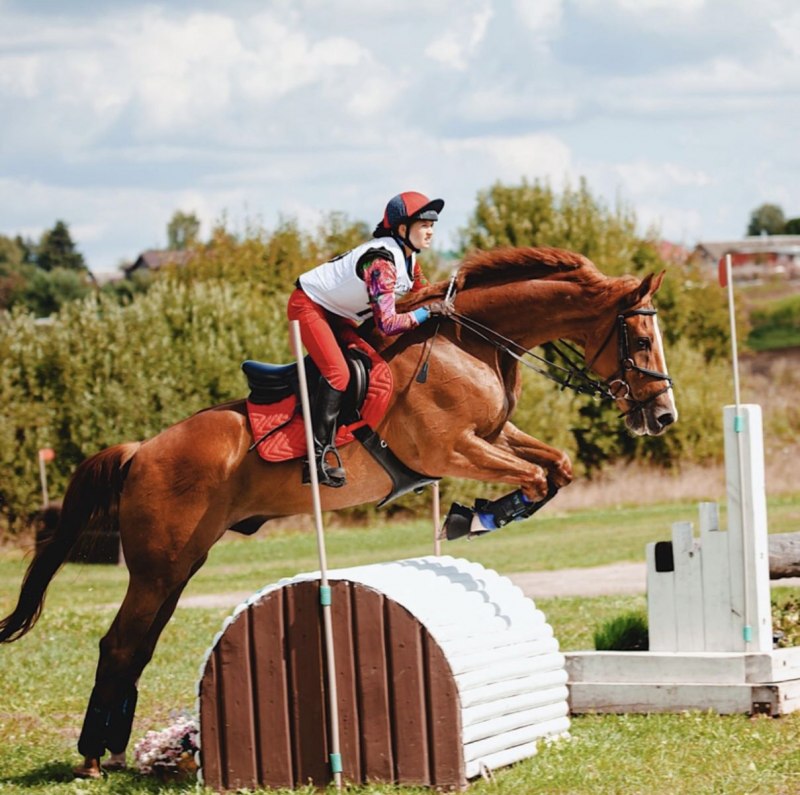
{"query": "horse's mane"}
{"type": "Point", "coordinates": [510, 264]}
{"type": "Point", "coordinates": [503, 265]}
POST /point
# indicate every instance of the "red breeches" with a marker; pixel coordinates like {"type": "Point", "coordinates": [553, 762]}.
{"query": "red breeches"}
{"type": "Point", "coordinates": [319, 339]}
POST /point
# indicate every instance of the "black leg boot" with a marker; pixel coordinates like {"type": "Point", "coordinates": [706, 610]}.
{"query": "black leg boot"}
{"type": "Point", "coordinates": [324, 414]}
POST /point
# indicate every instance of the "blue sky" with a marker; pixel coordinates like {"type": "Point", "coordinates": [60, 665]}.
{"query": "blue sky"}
{"type": "Point", "coordinates": [115, 115]}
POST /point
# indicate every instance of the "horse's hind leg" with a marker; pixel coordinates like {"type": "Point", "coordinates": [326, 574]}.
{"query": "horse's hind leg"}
{"type": "Point", "coordinates": [124, 652]}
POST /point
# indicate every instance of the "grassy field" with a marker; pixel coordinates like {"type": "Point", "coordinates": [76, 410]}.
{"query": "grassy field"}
{"type": "Point", "coordinates": [45, 678]}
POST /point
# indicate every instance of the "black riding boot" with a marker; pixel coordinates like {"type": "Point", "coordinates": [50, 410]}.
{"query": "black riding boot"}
{"type": "Point", "coordinates": [324, 414]}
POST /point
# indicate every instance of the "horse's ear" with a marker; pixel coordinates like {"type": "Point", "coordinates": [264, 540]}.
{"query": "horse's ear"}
{"type": "Point", "coordinates": [647, 287]}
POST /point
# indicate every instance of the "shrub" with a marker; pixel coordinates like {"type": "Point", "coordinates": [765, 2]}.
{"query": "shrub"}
{"type": "Point", "coordinates": [627, 632]}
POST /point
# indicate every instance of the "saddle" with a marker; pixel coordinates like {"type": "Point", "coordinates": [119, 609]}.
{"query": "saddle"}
{"type": "Point", "coordinates": [272, 383]}
{"type": "Point", "coordinates": [276, 420]}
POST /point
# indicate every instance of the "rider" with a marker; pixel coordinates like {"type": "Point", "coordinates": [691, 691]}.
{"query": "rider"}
{"type": "Point", "coordinates": [365, 280]}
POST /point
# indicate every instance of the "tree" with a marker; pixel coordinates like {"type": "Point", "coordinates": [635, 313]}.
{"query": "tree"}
{"type": "Point", "coordinates": [792, 227]}
{"type": "Point", "coordinates": [182, 231]}
{"type": "Point", "coordinates": [15, 271]}
{"type": "Point", "coordinates": [57, 250]}
{"type": "Point", "coordinates": [533, 214]}
{"type": "Point", "coordinates": [47, 291]}
{"type": "Point", "coordinates": [766, 219]}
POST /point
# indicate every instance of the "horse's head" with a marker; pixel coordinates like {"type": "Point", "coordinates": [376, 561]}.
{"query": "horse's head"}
{"type": "Point", "coordinates": [629, 354]}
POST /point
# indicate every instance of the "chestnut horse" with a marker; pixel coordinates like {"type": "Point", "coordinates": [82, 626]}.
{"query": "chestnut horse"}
{"type": "Point", "coordinates": [173, 496]}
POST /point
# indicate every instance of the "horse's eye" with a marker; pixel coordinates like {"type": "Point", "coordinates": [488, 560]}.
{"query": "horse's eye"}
{"type": "Point", "coordinates": [643, 343]}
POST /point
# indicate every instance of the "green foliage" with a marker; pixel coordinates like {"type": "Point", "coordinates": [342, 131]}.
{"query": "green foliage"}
{"type": "Point", "coordinates": [104, 373]}
{"type": "Point", "coordinates": [57, 250]}
{"type": "Point", "coordinates": [533, 214]}
{"type": "Point", "coordinates": [776, 325]}
{"type": "Point", "coordinates": [47, 291]}
{"type": "Point", "coordinates": [786, 621]}
{"type": "Point", "coordinates": [45, 277]}
{"type": "Point", "coordinates": [766, 219]}
{"type": "Point", "coordinates": [182, 230]}
{"type": "Point", "coordinates": [626, 632]}
{"type": "Point", "coordinates": [792, 227]}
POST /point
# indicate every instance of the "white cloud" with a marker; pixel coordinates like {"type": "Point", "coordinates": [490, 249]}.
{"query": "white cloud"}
{"type": "Point", "coordinates": [113, 118]}
{"type": "Point", "coordinates": [515, 157]}
{"type": "Point", "coordinates": [788, 30]}
{"type": "Point", "coordinates": [542, 17]}
{"type": "Point", "coordinates": [458, 44]}
{"type": "Point", "coordinates": [645, 179]}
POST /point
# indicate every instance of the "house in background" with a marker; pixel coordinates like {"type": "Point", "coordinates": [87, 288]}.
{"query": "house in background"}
{"type": "Point", "coordinates": [153, 260]}
{"type": "Point", "coordinates": [753, 258]}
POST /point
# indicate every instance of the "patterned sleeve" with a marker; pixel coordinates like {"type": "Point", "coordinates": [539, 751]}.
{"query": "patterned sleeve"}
{"type": "Point", "coordinates": [380, 277]}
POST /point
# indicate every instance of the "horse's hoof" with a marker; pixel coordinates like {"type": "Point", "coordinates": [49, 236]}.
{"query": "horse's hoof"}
{"type": "Point", "coordinates": [458, 522]}
{"type": "Point", "coordinates": [114, 763]}
{"type": "Point", "coordinates": [89, 769]}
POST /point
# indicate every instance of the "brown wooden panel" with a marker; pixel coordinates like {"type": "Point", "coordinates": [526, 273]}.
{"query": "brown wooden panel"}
{"type": "Point", "coordinates": [236, 694]}
{"type": "Point", "coordinates": [444, 719]}
{"type": "Point", "coordinates": [270, 692]}
{"type": "Point", "coordinates": [372, 685]}
{"type": "Point", "coordinates": [349, 724]}
{"type": "Point", "coordinates": [209, 725]}
{"type": "Point", "coordinates": [407, 696]}
{"type": "Point", "coordinates": [306, 692]}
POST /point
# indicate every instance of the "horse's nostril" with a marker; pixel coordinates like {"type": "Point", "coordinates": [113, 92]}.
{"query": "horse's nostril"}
{"type": "Point", "coordinates": [667, 418]}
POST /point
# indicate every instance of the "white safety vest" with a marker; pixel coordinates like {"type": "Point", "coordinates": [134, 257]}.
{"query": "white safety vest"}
{"type": "Point", "coordinates": [337, 286]}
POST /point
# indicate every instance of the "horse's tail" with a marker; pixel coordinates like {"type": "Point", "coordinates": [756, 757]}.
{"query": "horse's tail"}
{"type": "Point", "coordinates": [92, 496]}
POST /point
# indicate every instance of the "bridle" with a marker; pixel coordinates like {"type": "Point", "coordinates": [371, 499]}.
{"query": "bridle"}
{"type": "Point", "coordinates": [571, 374]}
{"type": "Point", "coordinates": [627, 364]}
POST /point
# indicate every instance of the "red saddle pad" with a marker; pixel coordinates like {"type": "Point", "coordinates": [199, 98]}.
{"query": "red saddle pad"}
{"type": "Point", "coordinates": [289, 441]}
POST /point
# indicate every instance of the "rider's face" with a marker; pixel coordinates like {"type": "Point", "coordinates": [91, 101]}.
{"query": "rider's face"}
{"type": "Point", "coordinates": [421, 234]}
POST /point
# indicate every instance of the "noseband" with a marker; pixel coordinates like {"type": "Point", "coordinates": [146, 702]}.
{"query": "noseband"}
{"type": "Point", "coordinates": [572, 375]}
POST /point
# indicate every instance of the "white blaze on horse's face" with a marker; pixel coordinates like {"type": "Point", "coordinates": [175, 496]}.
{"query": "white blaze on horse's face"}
{"type": "Point", "coordinates": [651, 409]}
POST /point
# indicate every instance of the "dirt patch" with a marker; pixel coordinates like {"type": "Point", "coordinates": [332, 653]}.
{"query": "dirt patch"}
{"type": "Point", "coordinates": [611, 580]}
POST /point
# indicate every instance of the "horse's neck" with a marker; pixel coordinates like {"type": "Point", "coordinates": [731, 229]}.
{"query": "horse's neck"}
{"type": "Point", "coordinates": [539, 311]}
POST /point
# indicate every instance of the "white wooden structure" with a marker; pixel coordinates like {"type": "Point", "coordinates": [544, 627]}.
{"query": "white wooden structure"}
{"type": "Point", "coordinates": [462, 663]}
{"type": "Point", "coordinates": [709, 616]}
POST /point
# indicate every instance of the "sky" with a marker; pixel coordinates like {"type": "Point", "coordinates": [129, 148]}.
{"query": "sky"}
{"type": "Point", "coordinates": [113, 116]}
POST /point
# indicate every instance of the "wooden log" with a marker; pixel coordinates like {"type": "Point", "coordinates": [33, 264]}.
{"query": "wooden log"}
{"type": "Point", "coordinates": [784, 555]}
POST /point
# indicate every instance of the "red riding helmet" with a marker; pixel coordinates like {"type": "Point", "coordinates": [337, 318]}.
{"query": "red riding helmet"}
{"type": "Point", "coordinates": [410, 206]}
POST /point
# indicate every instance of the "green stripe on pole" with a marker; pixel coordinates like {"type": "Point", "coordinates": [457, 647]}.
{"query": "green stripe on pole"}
{"type": "Point", "coordinates": [747, 633]}
{"type": "Point", "coordinates": [325, 595]}
{"type": "Point", "coordinates": [336, 763]}
{"type": "Point", "coordinates": [738, 423]}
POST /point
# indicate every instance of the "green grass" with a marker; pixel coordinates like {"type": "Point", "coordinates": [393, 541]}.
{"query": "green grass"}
{"type": "Point", "coordinates": [776, 323]}
{"type": "Point", "coordinates": [45, 678]}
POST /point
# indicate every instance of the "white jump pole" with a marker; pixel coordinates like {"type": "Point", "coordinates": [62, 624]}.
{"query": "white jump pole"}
{"type": "Point", "coordinates": [43, 478]}
{"type": "Point", "coordinates": [747, 629]}
{"type": "Point", "coordinates": [436, 518]}
{"type": "Point", "coordinates": [324, 588]}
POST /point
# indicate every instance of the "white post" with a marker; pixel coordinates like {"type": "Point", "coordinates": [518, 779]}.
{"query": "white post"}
{"type": "Point", "coordinates": [43, 479]}
{"type": "Point", "coordinates": [435, 516]}
{"type": "Point", "coordinates": [747, 526]}
{"type": "Point", "coordinates": [324, 588]}
{"type": "Point", "coordinates": [736, 424]}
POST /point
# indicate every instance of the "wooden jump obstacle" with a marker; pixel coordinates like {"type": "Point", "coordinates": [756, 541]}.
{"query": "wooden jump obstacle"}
{"type": "Point", "coordinates": [709, 614]}
{"type": "Point", "coordinates": [444, 670]}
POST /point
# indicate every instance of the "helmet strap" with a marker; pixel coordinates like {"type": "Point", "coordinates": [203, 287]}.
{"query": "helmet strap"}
{"type": "Point", "coordinates": [406, 241]}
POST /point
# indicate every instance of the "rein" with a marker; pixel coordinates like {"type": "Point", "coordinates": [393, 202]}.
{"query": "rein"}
{"type": "Point", "coordinates": [573, 376]}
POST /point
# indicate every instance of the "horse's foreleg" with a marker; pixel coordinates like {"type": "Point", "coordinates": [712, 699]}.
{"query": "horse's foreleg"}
{"type": "Point", "coordinates": [556, 462]}
{"type": "Point", "coordinates": [477, 459]}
